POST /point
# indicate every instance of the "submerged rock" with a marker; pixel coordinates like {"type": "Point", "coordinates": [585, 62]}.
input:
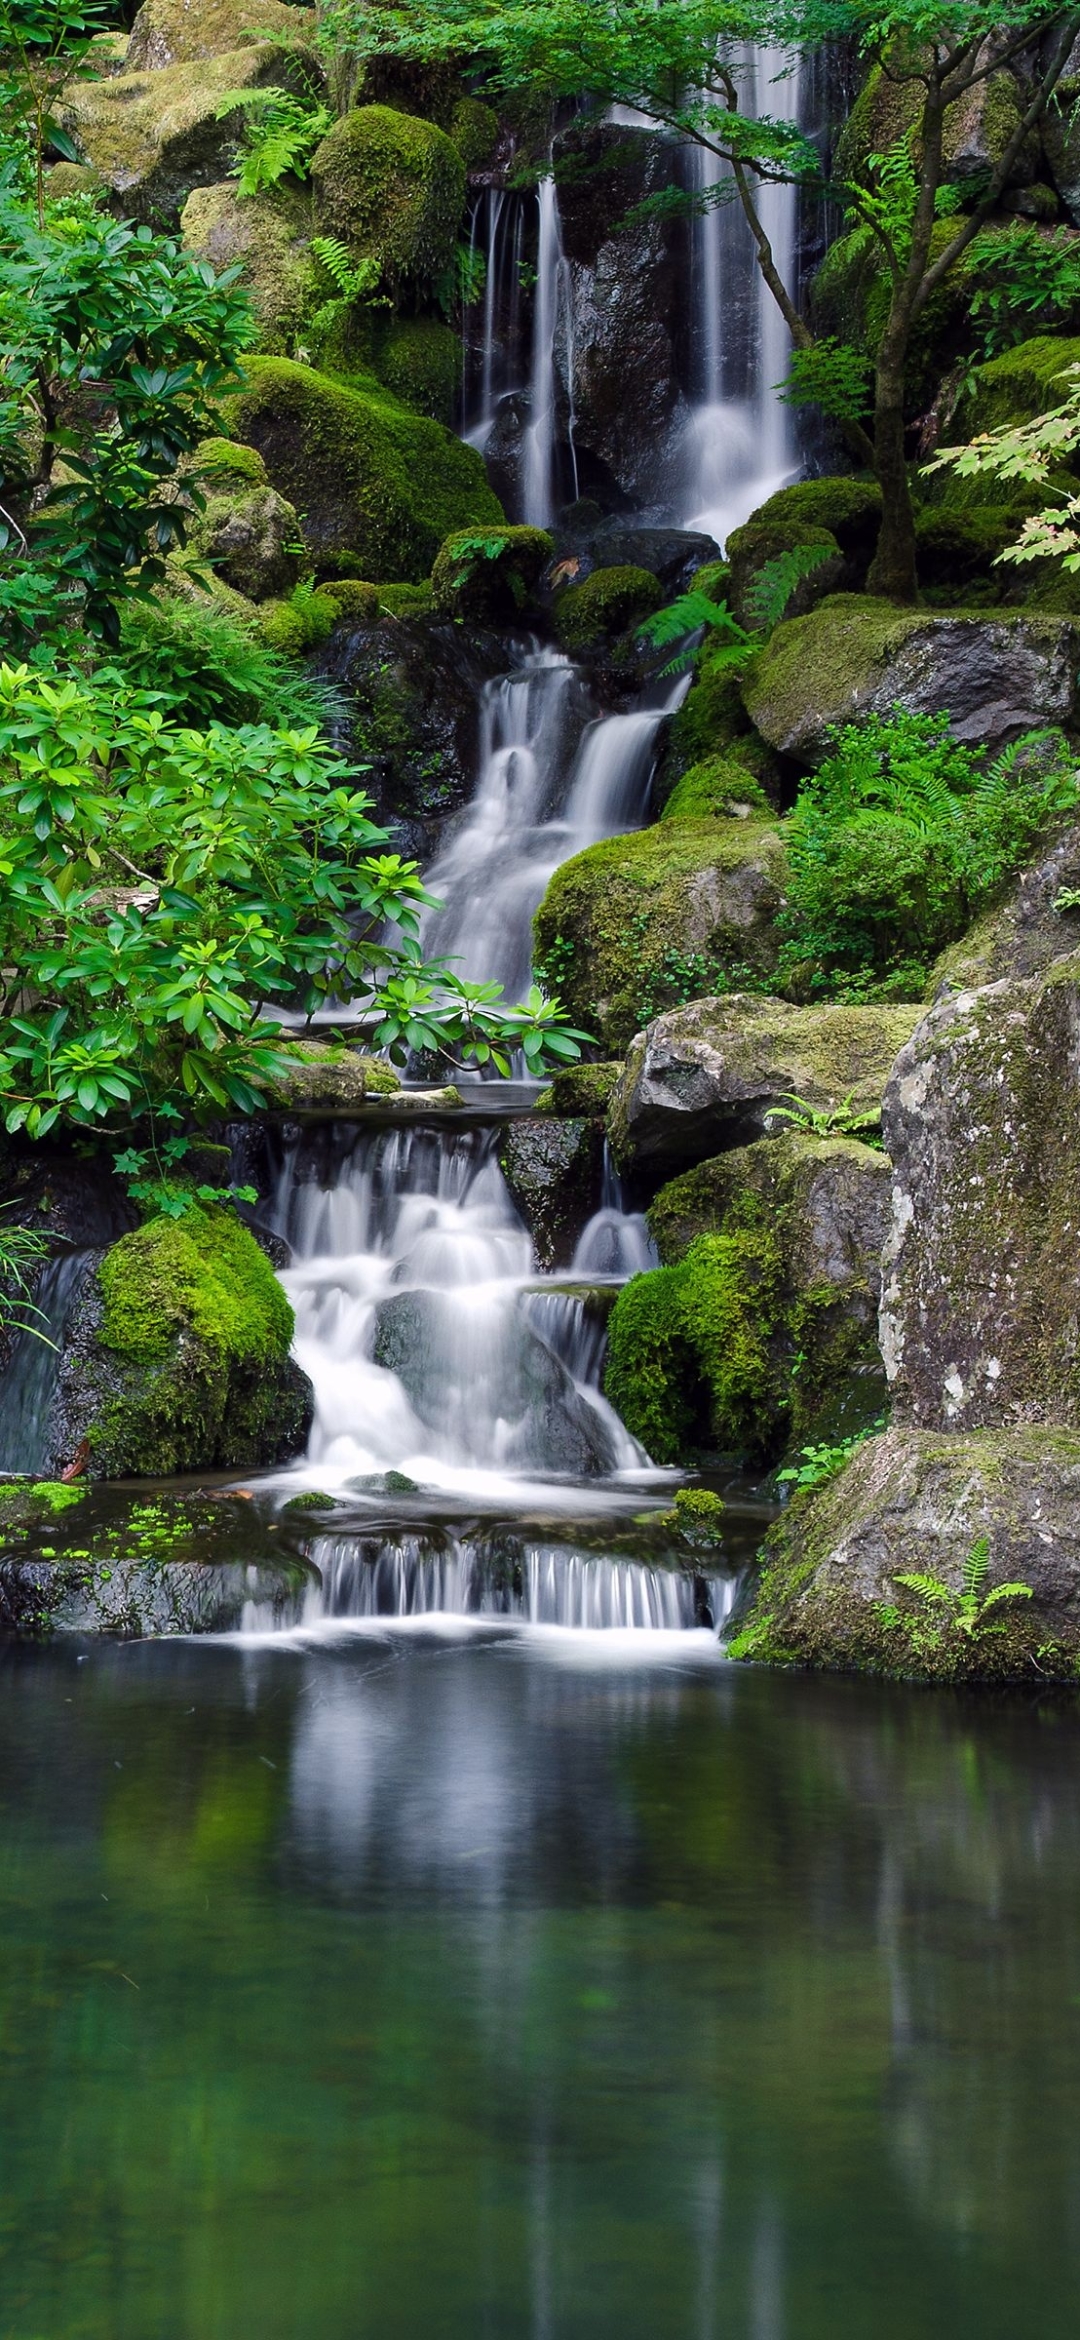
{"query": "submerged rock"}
{"type": "Point", "coordinates": [79, 1559]}
{"type": "Point", "coordinates": [997, 676]}
{"type": "Point", "coordinates": [177, 1358]}
{"type": "Point", "coordinates": [708, 1076]}
{"type": "Point", "coordinates": [911, 1502]}
{"type": "Point", "coordinates": [982, 1291]}
{"type": "Point", "coordinates": [553, 1170]}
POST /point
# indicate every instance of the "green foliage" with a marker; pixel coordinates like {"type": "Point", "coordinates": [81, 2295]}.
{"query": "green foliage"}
{"type": "Point", "coordinates": [22, 1250]}
{"type": "Point", "coordinates": [1027, 282]}
{"type": "Point", "coordinates": [778, 580]}
{"type": "Point", "coordinates": [694, 612]}
{"type": "Point", "coordinates": [1030, 453]}
{"type": "Point", "coordinates": [354, 280]}
{"type": "Point", "coordinates": [165, 1192]}
{"type": "Point", "coordinates": [825, 1121]}
{"type": "Point", "coordinates": [204, 663]}
{"type": "Point", "coordinates": [832, 375]}
{"type": "Point", "coordinates": [114, 344]}
{"type": "Point", "coordinates": [939, 1611]}
{"type": "Point", "coordinates": [161, 884]}
{"type": "Point", "coordinates": [281, 133]}
{"type": "Point", "coordinates": [44, 46]}
{"type": "Point", "coordinates": [900, 838]}
{"type": "Point", "coordinates": [818, 1464]}
{"type": "Point", "coordinates": [461, 285]}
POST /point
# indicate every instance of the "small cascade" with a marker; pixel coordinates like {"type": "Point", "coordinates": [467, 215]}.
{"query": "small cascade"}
{"type": "Point", "coordinates": [616, 1243]}
{"type": "Point", "coordinates": [739, 447]}
{"type": "Point", "coordinates": [428, 1575]}
{"type": "Point", "coordinates": [29, 1383]}
{"type": "Point", "coordinates": [547, 789]}
{"type": "Point", "coordinates": [415, 1292]}
{"type": "Point", "coordinates": [553, 327]}
{"type": "Point", "coordinates": [493, 363]}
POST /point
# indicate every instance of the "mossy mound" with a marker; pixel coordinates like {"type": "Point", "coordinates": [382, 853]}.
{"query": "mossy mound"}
{"type": "Point", "coordinates": [761, 543]}
{"type": "Point", "coordinates": [179, 1359]}
{"type": "Point", "coordinates": [392, 188]}
{"type": "Point", "coordinates": [581, 1089]}
{"type": "Point", "coordinates": [246, 533]}
{"type": "Point", "coordinates": [489, 576]}
{"type": "Point", "coordinates": [610, 603]}
{"type": "Point", "coordinates": [1017, 387]}
{"type": "Point", "coordinates": [644, 922]}
{"type": "Point", "coordinates": [152, 137]}
{"type": "Point", "coordinates": [830, 1593]}
{"type": "Point", "coordinates": [378, 489]}
{"type": "Point", "coordinates": [717, 789]}
{"type": "Point", "coordinates": [177, 32]}
{"type": "Point", "coordinates": [324, 1075]}
{"type": "Point", "coordinates": [356, 602]}
{"type": "Point", "coordinates": [302, 623]}
{"type": "Point", "coordinates": [418, 359]}
{"type": "Point", "coordinates": [267, 236]}
{"type": "Point", "coordinates": [690, 1365]}
{"type": "Point", "coordinates": [474, 129]}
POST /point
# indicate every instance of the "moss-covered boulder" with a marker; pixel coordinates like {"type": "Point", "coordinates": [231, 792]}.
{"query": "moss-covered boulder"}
{"type": "Point", "coordinates": [982, 1291]}
{"type": "Point", "coordinates": [378, 489]}
{"type": "Point", "coordinates": [246, 532]}
{"type": "Point", "coordinates": [324, 1077]}
{"type": "Point", "coordinates": [610, 603]}
{"type": "Point", "coordinates": [817, 568]}
{"type": "Point", "coordinates": [553, 1170]}
{"type": "Point", "coordinates": [1016, 387]}
{"type": "Point", "coordinates": [392, 188]}
{"type": "Point", "coordinates": [418, 359]}
{"type": "Point", "coordinates": [710, 1075]}
{"type": "Point", "coordinates": [92, 1559]}
{"type": "Point", "coordinates": [997, 675]}
{"type": "Point", "coordinates": [152, 137]}
{"type": "Point", "coordinates": [1025, 932]}
{"type": "Point", "coordinates": [177, 1356]}
{"type": "Point", "coordinates": [717, 789]}
{"type": "Point", "coordinates": [181, 32]}
{"type": "Point", "coordinates": [489, 576]}
{"type": "Point", "coordinates": [268, 237]}
{"type": "Point", "coordinates": [580, 1089]}
{"type": "Point", "coordinates": [764, 1314]}
{"type": "Point", "coordinates": [640, 923]}
{"type": "Point", "coordinates": [831, 1591]}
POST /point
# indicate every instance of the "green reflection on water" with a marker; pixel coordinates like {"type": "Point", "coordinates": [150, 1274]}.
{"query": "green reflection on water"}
{"type": "Point", "coordinates": [448, 1992]}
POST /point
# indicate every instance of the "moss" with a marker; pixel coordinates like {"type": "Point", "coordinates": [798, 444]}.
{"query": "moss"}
{"type": "Point", "coordinates": [170, 32]}
{"type": "Point", "coordinates": [489, 576]}
{"type": "Point", "coordinates": [689, 1347]}
{"type": "Point", "coordinates": [753, 547]}
{"type": "Point", "coordinates": [823, 658]}
{"type": "Point", "coordinates": [419, 360]}
{"type": "Point", "coordinates": [378, 489]}
{"type": "Point", "coordinates": [294, 627]}
{"type": "Point", "coordinates": [152, 137]}
{"type": "Point", "coordinates": [222, 463]}
{"type": "Point", "coordinates": [474, 129]}
{"type": "Point", "coordinates": [356, 603]}
{"type": "Point", "coordinates": [610, 602]}
{"type": "Point", "coordinates": [405, 601]}
{"type": "Point", "coordinates": [322, 1075]}
{"type": "Point", "coordinates": [267, 237]}
{"type": "Point", "coordinates": [1022, 384]}
{"type": "Point", "coordinates": [194, 1341]}
{"type": "Point", "coordinates": [849, 508]}
{"type": "Point", "coordinates": [582, 1089]}
{"type": "Point", "coordinates": [392, 188]}
{"type": "Point", "coordinates": [713, 789]}
{"type": "Point", "coordinates": [645, 922]}
{"type": "Point", "coordinates": [712, 718]}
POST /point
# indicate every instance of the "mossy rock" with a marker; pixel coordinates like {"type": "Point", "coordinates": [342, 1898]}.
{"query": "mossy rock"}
{"type": "Point", "coordinates": [356, 602]}
{"type": "Point", "coordinates": [1017, 387]}
{"type": "Point", "coordinates": [405, 601]}
{"type": "Point", "coordinates": [957, 549]}
{"type": "Point", "coordinates": [268, 237]}
{"type": "Point", "coordinates": [717, 789]}
{"type": "Point", "coordinates": [999, 674]}
{"type": "Point", "coordinates": [851, 293]}
{"type": "Point", "coordinates": [610, 603]}
{"type": "Point", "coordinates": [580, 1089]}
{"type": "Point", "coordinates": [378, 489]}
{"type": "Point", "coordinates": [67, 179]}
{"type": "Point", "coordinates": [418, 359]}
{"type": "Point", "coordinates": [180, 32]}
{"type": "Point", "coordinates": [392, 188]}
{"type": "Point", "coordinates": [222, 465]}
{"type": "Point", "coordinates": [849, 508]}
{"type": "Point", "coordinates": [474, 129]}
{"type": "Point", "coordinates": [300, 624]}
{"type": "Point", "coordinates": [753, 547]}
{"type": "Point", "coordinates": [912, 1501]}
{"type": "Point", "coordinates": [324, 1076]}
{"type": "Point", "coordinates": [643, 922]}
{"type": "Point", "coordinates": [246, 533]}
{"type": "Point", "coordinates": [178, 1355]}
{"type": "Point", "coordinates": [712, 719]}
{"type": "Point", "coordinates": [765, 1309]}
{"type": "Point", "coordinates": [489, 576]}
{"type": "Point", "coordinates": [153, 137]}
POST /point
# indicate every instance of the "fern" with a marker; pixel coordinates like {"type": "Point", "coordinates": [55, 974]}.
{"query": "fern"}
{"type": "Point", "coordinates": [281, 133]}
{"type": "Point", "coordinates": [462, 284]}
{"type": "Point", "coordinates": [779, 579]}
{"type": "Point", "coordinates": [976, 1570]}
{"type": "Point", "coordinates": [690, 615]}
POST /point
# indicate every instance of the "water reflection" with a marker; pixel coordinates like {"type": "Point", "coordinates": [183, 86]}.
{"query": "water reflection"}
{"type": "Point", "coordinates": [434, 1985]}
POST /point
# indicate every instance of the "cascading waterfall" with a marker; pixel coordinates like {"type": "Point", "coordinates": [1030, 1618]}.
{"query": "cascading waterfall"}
{"type": "Point", "coordinates": [553, 319]}
{"type": "Point", "coordinates": [739, 447]}
{"type": "Point", "coordinates": [492, 363]}
{"type": "Point", "coordinates": [29, 1384]}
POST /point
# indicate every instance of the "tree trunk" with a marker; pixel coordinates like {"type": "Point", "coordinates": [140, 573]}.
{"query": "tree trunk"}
{"type": "Point", "coordinates": [893, 572]}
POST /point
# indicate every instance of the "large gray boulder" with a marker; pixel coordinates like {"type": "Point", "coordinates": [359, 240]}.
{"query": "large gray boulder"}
{"type": "Point", "coordinates": [1024, 933]}
{"type": "Point", "coordinates": [553, 1170]}
{"type": "Point", "coordinates": [708, 1076]}
{"type": "Point", "coordinates": [913, 1502]}
{"type": "Point", "coordinates": [996, 676]}
{"type": "Point", "coordinates": [980, 1320]}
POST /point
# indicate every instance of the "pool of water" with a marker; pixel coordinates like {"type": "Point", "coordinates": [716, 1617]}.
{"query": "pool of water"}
{"type": "Point", "coordinates": [500, 1984]}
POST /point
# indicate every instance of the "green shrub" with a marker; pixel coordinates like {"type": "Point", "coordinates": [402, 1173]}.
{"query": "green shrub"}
{"type": "Point", "coordinates": [206, 664]}
{"type": "Point", "coordinates": [898, 841]}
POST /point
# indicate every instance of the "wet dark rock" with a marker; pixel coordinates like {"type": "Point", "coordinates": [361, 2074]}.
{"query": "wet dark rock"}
{"type": "Point", "coordinates": [982, 1288]}
{"type": "Point", "coordinates": [80, 1559]}
{"type": "Point", "coordinates": [415, 685]}
{"type": "Point", "coordinates": [706, 1077]}
{"type": "Point", "coordinates": [553, 1170]}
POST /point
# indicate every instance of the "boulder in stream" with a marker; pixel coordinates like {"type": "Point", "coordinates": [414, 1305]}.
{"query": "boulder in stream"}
{"type": "Point", "coordinates": [485, 1383]}
{"type": "Point", "coordinates": [553, 1170]}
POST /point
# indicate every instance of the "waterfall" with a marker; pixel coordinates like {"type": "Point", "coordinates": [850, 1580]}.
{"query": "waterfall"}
{"type": "Point", "coordinates": [413, 1282]}
{"type": "Point", "coordinates": [364, 1577]}
{"type": "Point", "coordinates": [616, 1243]}
{"type": "Point", "coordinates": [29, 1384]}
{"type": "Point", "coordinates": [492, 364]}
{"type": "Point", "coordinates": [553, 315]}
{"type": "Point", "coordinates": [739, 447]}
{"type": "Point", "coordinates": [547, 789]}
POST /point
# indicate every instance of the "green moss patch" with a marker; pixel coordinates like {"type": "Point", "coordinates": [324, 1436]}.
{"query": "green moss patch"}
{"type": "Point", "coordinates": [689, 1347]}
{"type": "Point", "coordinates": [609, 603]}
{"type": "Point", "coordinates": [392, 188]}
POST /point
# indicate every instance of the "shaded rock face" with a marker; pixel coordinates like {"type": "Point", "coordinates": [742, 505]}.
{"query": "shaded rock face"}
{"type": "Point", "coordinates": [87, 1560]}
{"type": "Point", "coordinates": [250, 541]}
{"type": "Point", "coordinates": [268, 236]}
{"type": "Point", "coordinates": [415, 686]}
{"type": "Point", "coordinates": [514, 1380]}
{"type": "Point", "coordinates": [153, 136]}
{"type": "Point", "coordinates": [176, 32]}
{"type": "Point", "coordinates": [626, 394]}
{"type": "Point", "coordinates": [914, 1501]}
{"type": "Point", "coordinates": [706, 1077]}
{"type": "Point", "coordinates": [995, 677]}
{"type": "Point", "coordinates": [1024, 934]}
{"type": "Point", "coordinates": [553, 1170]}
{"type": "Point", "coordinates": [980, 1319]}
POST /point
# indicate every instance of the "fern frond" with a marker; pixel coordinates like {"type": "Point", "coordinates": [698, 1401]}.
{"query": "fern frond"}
{"type": "Point", "coordinates": [976, 1569]}
{"type": "Point", "coordinates": [777, 580]}
{"type": "Point", "coordinates": [688, 615]}
{"type": "Point", "coordinates": [1008, 1592]}
{"type": "Point", "coordinates": [931, 1587]}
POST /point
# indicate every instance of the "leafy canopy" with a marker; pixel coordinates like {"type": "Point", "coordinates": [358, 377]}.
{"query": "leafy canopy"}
{"type": "Point", "coordinates": [161, 888]}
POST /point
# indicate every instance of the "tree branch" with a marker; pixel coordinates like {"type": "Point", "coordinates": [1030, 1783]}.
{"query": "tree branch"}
{"type": "Point", "coordinates": [954, 250]}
